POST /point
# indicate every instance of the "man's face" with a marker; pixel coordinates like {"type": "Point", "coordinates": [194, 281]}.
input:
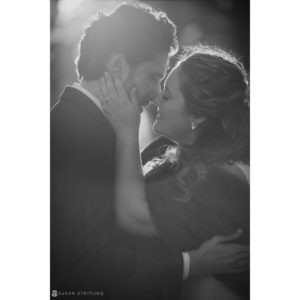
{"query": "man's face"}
{"type": "Point", "coordinates": [147, 78]}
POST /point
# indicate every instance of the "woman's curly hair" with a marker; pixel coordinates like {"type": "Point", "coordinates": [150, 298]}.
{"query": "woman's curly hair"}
{"type": "Point", "coordinates": [215, 86]}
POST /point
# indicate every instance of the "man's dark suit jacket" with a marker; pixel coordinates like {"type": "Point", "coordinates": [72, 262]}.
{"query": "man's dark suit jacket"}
{"type": "Point", "coordinates": [88, 251]}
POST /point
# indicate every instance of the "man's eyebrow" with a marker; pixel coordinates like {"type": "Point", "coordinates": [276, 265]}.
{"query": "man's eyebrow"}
{"type": "Point", "coordinates": [167, 89]}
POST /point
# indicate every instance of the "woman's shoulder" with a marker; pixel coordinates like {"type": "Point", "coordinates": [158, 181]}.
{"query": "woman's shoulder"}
{"type": "Point", "coordinates": [225, 188]}
{"type": "Point", "coordinates": [224, 199]}
{"type": "Point", "coordinates": [226, 176]}
{"type": "Point", "coordinates": [221, 181]}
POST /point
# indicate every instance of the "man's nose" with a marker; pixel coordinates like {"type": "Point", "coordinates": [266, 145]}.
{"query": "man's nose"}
{"type": "Point", "coordinates": [156, 93]}
{"type": "Point", "coordinates": [157, 100]}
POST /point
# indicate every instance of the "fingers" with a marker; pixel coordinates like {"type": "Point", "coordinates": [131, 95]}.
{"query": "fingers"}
{"type": "Point", "coordinates": [115, 97]}
{"type": "Point", "coordinates": [110, 86]}
{"type": "Point", "coordinates": [244, 256]}
{"type": "Point", "coordinates": [236, 247]}
{"type": "Point", "coordinates": [105, 99]}
{"type": "Point", "coordinates": [106, 105]}
{"type": "Point", "coordinates": [107, 89]}
{"type": "Point", "coordinates": [235, 263]}
{"type": "Point", "coordinates": [238, 269]}
{"type": "Point", "coordinates": [231, 264]}
{"type": "Point", "coordinates": [231, 252]}
{"type": "Point", "coordinates": [133, 97]}
{"type": "Point", "coordinates": [123, 93]}
{"type": "Point", "coordinates": [222, 239]}
{"type": "Point", "coordinates": [104, 91]}
{"type": "Point", "coordinates": [239, 266]}
{"type": "Point", "coordinates": [101, 95]}
{"type": "Point", "coordinates": [120, 88]}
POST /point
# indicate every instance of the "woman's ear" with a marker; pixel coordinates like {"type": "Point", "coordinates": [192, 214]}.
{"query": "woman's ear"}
{"type": "Point", "coordinates": [118, 65]}
{"type": "Point", "coordinates": [196, 121]}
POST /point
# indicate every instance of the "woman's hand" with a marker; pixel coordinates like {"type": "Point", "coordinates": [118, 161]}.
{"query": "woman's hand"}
{"type": "Point", "coordinates": [122, 111]}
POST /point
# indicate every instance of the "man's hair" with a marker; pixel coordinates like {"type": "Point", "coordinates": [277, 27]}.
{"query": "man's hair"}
{"type": "Point", "coordinates": [134, 29]}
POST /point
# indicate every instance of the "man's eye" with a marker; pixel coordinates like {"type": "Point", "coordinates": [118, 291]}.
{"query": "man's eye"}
{"type": "Point", "coordinates": [157, 78]}
{"type": "Point", "coordinates": [165, 97]}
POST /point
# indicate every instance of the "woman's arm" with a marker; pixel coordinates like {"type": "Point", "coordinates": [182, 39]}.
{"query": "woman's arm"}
{"type": "Point", "coordinates": [131, 206]}
{"type": "Point", "coordinates": [132, 210]}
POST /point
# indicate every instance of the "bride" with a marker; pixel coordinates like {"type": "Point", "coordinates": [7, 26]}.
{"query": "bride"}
{"type": "Point", "coordinates": [196, 185]}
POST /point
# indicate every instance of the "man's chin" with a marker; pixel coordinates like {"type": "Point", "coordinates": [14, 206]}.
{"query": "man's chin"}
{"type": "Point", "coordinates": [141, 107]}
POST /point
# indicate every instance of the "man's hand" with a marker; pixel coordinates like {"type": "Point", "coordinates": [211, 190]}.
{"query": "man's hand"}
{"type": "Point", "coordinates": [121, 109]}
{"type": "Point", "coordinates": [215, 257]}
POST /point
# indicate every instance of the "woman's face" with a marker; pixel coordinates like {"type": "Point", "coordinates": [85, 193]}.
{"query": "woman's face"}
{"type": "Point", "coordinates": [172, 119]}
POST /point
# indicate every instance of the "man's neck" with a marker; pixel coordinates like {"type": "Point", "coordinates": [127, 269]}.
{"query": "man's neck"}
{"type": "Point", "coordinates": [91, 86]}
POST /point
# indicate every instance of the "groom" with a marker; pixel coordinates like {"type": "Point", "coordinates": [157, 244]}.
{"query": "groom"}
{"type": "Point", "coordinates": [89, 253]}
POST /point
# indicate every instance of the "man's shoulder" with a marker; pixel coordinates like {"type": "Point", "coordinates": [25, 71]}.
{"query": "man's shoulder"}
{"type": "Point", "coordinates": [71, 100]}
{"type": "Point", "coordinates": [75, 107]}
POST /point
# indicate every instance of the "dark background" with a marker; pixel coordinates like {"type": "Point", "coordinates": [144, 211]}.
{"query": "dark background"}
{"type": "Point", "coordinates": [223, 23]}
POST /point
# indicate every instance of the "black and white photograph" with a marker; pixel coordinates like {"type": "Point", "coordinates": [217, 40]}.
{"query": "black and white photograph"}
{"type": "Point", "coordinates": [149, 150]}
{"type": "Point", "coordinates": [127, 133]}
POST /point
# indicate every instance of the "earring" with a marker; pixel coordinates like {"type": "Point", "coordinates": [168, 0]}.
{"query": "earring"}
{"type": "Point", "coordinates": [193, 126]}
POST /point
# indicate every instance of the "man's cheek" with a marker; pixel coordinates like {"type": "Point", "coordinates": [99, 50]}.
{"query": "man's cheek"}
{"type": "Point", "coordinates": [139, 95]}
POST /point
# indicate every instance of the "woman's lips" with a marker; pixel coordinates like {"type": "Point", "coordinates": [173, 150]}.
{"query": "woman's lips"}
{"type": "Point", "coordinates": [158, 114]}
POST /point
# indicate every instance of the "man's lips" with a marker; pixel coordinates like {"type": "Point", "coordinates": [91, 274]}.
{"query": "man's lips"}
{"type": "Point", "coordinates": [158, 116]}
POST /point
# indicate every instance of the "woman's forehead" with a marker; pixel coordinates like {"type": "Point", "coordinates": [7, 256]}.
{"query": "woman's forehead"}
{"type": "Point", "coordinates": [172, 79]}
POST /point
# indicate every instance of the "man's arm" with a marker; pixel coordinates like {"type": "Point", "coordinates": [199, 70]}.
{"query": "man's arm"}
{"type": "Point", "coordinates": [84, 247]}
{"type": "Point", "coordinates": [215, 256]}
{"type": "Point", "coordinates": [83, 224]}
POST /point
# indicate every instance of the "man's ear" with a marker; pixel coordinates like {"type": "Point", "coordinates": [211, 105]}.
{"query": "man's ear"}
{"type": "Point", "coordinates": [118, 65]}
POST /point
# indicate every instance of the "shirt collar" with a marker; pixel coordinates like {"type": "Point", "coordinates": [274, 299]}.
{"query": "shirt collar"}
{"type": "Point", "coordinates": [77, 86]}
